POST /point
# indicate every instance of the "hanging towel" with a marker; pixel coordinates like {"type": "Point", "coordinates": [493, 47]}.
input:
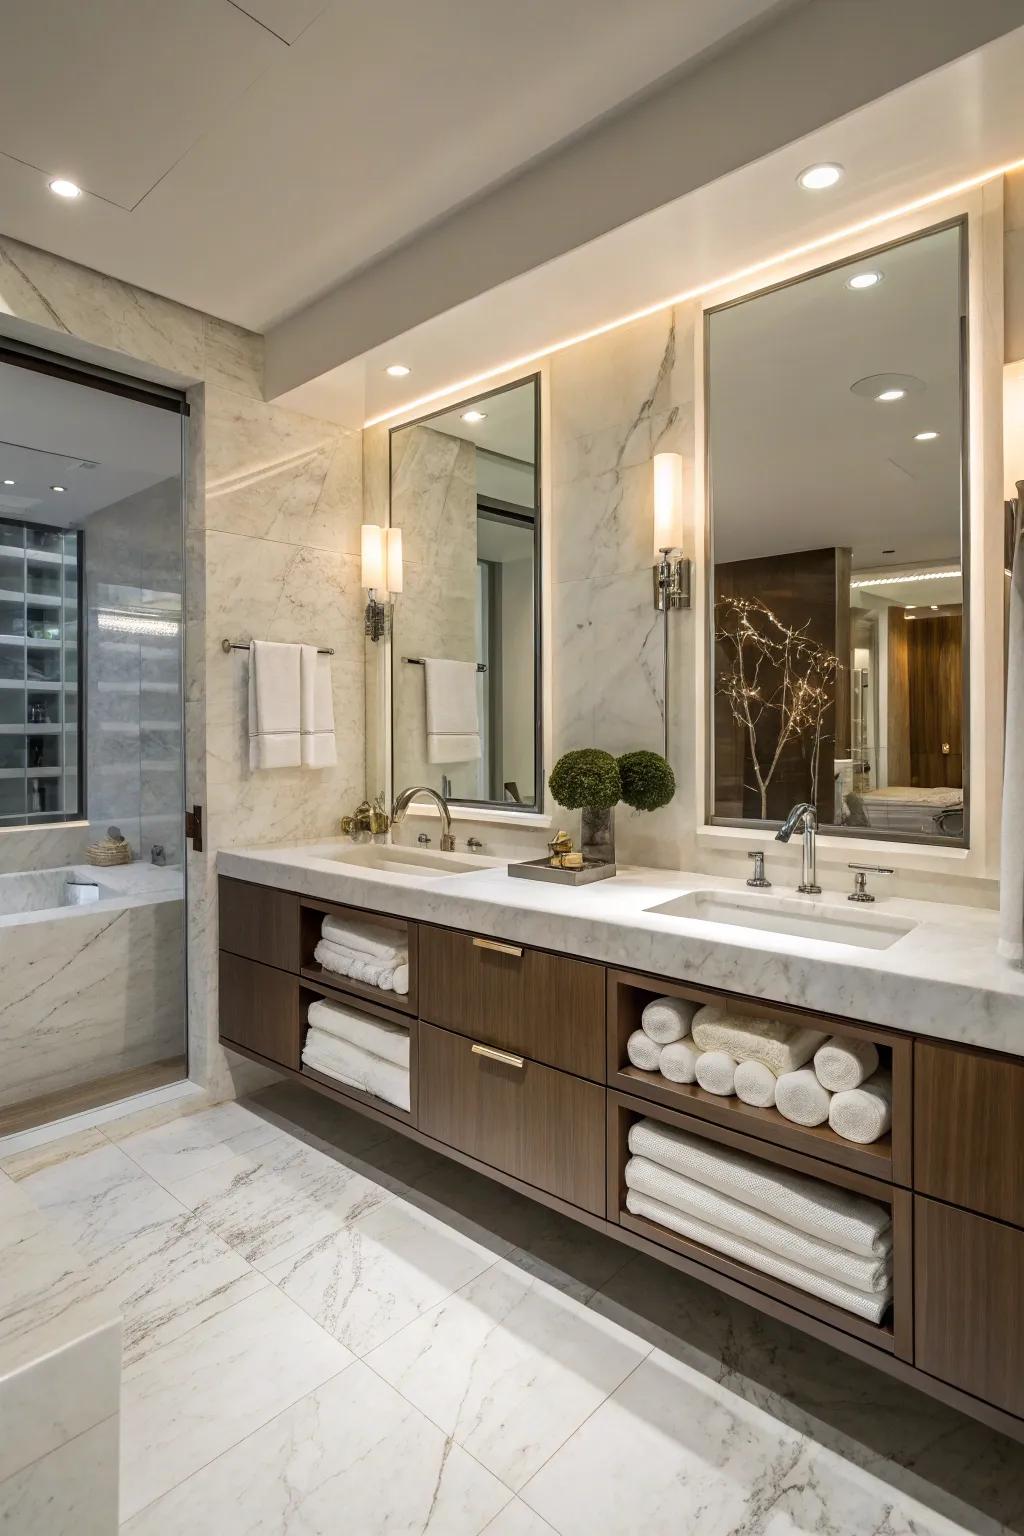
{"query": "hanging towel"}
{"type": "Point", "coordinates": [716, 1073]}
{"type": "Point", "coordinates": [869, 1304]}
{"type": "Point", "coordinates": [867, 1272]}
{"type": "Point", "coordinates": [346, 1063]}
{"type": "Point", "coordinates": [643, 1052]}
{"type": "Point", "coordinates": [844, 1062]}
{"type": "Point", "coordinates": [274, 714]}
{"type": "Point", "coordinates": [316, 714]}
{"type": "Point", "coordinates": [369, 938]}
{"type": "Point", "coordinates": [388, 1041]}
{"type": "Point", "coordinates": [453, 728]}
{"type": "Point", "coordinates": [755, 1084]}
{"type": "Point", "coordinates": [823, 1210]}
{"type": "Point", "coordinates": [667, 1019]}
{"type": "Point", "coordinates": [782, 1046]}
{"type": "Point", "coordinates": [679, 1061]}
{"type": "Point", "coordinates": [801, 1098]}
{"type": "Point", "coordinates": [863, 1114]}
{"type": "Point", "coordinates": [1011, 873]}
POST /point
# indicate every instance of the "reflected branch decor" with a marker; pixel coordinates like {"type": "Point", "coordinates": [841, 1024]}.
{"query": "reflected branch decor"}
{"type": "Point", "coordinates": [778, 671]}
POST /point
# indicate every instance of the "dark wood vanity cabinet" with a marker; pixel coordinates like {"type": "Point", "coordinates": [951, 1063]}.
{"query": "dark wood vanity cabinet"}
{"type": "Point", "coordinates": [260, 923]}
{"type": "Point", "coordinates": [259, 1009]}
{"type": "Point", "coordinates": [969, 1129]}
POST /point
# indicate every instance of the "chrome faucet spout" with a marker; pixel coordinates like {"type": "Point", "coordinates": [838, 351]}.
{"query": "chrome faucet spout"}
{"type": "Point", "coordinates": [803, 816]}
{"type": "Point", "coordinates": [405, 798]}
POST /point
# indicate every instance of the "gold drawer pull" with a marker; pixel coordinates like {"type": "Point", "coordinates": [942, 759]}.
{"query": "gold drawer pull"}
{"type": "Point", "coordinates": [502, 949]}
{"type": "Point", "coordinates": [503, 1056]}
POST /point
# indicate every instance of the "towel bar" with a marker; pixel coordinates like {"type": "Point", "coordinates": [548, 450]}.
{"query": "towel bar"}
{"type": "Point", "coordinates": [243, 645]}
{"type": "Point", "coordinates": [417, 661]}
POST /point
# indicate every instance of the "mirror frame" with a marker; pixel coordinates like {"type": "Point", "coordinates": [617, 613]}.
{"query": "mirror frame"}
{"type": "Point", "coordinates": [504, 807]}
{"type": "Point", "coordinates": [865, 834]}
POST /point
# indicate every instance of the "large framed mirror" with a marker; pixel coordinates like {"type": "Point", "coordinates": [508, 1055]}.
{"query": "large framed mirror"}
{"type": "Point", "coordinates": [838, 547]}
{"type": "Point", "coordinates": [466, 642]}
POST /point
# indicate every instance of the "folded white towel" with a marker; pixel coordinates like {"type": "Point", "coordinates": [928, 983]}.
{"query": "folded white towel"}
{"type": "Point", "coordinates": [388, 1041]}
{"type": "Point", "coordinates": [365, 938]}
{"type": "Point", "coordinates": [865, 1113]}
{"type": "Point", "coordinates": [679, 1061]}
{"type": "Point", "coordinates": [716, 1073]}
{"type": "Point", "coordinates": [643, 1052]}
{"type": "Point", "coordinates": [824, 1210]}
{"type": "Point", "coordinates": [780, 1045]}
{"type": "Point", "coordinates": [866, 1273]}
{"type": "Point", "coordinates": [453, 727]}
{"type": "Point", "coordinates": [869, 1304]}
{"type": "Point", "coordinates": [844, 1062]}
{"type": "Point", "coordinates": [755, 1084]}
{"type": "Point", "coordinates": [316, 709]}
{"type": "Point", "coordinates": [274, 706]}
{"type": "Point", "coordinates": [385, 976]}
{"type": "Point", "coordinates": [347, 1063]}
{"type": "Point", "coordinates": [667, 1019]}
{"type": "Point", "coordinates": [801, 1098]}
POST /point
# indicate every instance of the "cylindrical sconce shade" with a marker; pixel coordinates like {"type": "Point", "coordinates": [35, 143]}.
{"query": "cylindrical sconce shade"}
{"type": "Point", "coordinates": [668, 501]}
{"type": "Point", "coordinates": [373, 557]}
{"type": "Point", "coordinates": [394, 548]}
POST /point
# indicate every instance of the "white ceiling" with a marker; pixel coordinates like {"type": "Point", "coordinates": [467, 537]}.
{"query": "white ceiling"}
{"type": "Point", "coordinates": [242, 156]}
{"type": "Point", "coordinates": [509, 425]}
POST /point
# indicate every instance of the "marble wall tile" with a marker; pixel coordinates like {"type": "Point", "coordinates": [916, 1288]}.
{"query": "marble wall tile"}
{"type": "Point", "coordinates": [232, 357]}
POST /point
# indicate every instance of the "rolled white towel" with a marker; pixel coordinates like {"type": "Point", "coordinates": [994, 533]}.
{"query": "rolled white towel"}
{"type": "Point", "coordinates": [755, 1084]}
{"type": "Point", "coordinates": [716, 1073]}
{"type": "Point", "coordinates": [801, 1098]}
{"type": "Point", "coordinates": [679, 1061]}
{"type": "Point", "coordinates": [844, 1063]}
{"type": "Point", "coordinates": [667, 1019]}
{"type": "Point", "coordinates": [643, 1052]}
{"type": "Point", "coordinates": [865, 1113]}
{"type": "Point", "coordinates": [777, 1043]}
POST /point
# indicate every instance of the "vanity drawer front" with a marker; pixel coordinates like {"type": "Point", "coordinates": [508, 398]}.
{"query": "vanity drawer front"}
{"type": "Point", "coordinates": [259, 1008]}
{"type": "Point", "coordinates": [539, 1125]}
{"type": "Point", "coordinates": [967, 1313]}
{"type": "Point", "coordinates": [259, 922]}
{"type": "Point", "coordinates": [547, 1007]}
{"type": "Point", "coordinates": [968, 1136]}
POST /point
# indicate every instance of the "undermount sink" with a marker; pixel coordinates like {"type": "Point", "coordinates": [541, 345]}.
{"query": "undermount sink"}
{"type": "Point", "coordinates": [408, 861]}
{"type": "Point", "coordinates": [795, 916]}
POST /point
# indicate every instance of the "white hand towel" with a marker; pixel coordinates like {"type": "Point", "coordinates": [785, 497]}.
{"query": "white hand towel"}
{"type": "Point", "coordinates": [316, 714]}
{"type": "Point", "coordinates": [801, 1098]}
{"type": "Point", "coordinates": [716, 1073]}
{"type": "Point", "coordinates": [844, 1062]}
{"type": "Point", "coordinates": [755, 1084]}
{"type": "Point", "coordinates": [453, 727]}
{"type": "Point", "coordinates": [679, 1061]}
{"type": "Point", "coordinates": [346, 1063]}
{"type": "Point", "coordinates": [383, 943]}
{"type": "Point", "coordinates": [385, 975]}
{"type": "Point", "coordinates": [863, 1114]}
{"type": "Point", "coordinates": [869, 1304]}
{"type": "Point", "coordinates": [867, 1272]}
{"type": "Point", "coordinates": [780, 1045]}
{"type": "Point", "coordinates": [667, 1019]}
{"type": "Point", "coordinates": [274, 706]}
{"type": "Point", "coordinates": [824, 1210]}
{"type": "Point", "coordinates": [643, 1052]}
{"type": "Point", "coordinates": [388, 1041]}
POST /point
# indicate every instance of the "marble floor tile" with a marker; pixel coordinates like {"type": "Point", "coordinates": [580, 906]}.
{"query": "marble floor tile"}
{"type": "Point", "coordinates": [351, 1459]}
{"type": "Point", "coordinates": [377, 1275]}
{"type": "Point", "coordinates": [278, 1200]}
{"type": "Point", "coordinates": [517, 1519]}
{"type": "Point", "coordinates": [509, 1367]}
{"type": "Point", "coordinates": [21, 1165]}
{"type": "Point", "coordinates": [193, 1398]}
{"type": "Point", "coordinates": [174, 1151]}
{"type": "Point", "coordinates": [70, 1492]}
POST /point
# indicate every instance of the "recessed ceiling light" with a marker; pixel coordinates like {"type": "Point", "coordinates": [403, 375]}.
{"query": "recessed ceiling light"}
{"type": "Point", "coordinates": [817, 177]}
{"type": "Point", "coordinates": [864, 280]}
{"type": "Point", "coordinates": [60, 489]}
{"type": "Point", "coordinates": [64, 188]}
{"type": "Point", "coordinates": [397, 371]}
{"type": "Point", "coordinates": [934, 607]}
{"type": "Point", "coordinates": [891, 394]}
{"type": "Point", "coordinates": [910, 617]}
{"type": "Point", "coordinates": [924, 437]}
{"type": "Point", "coordinates": [474, 416]}
{"type": "Point", "coordinates": [8, 482]}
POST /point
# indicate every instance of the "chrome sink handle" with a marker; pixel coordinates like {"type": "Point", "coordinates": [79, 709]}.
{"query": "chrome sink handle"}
{"type": "Point", "coordinates": [758, 878]}
{"type": "Point", "coordinates": [860, 890]}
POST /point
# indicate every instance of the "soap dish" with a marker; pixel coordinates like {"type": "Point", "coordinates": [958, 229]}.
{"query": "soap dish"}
{"type": "Point", "coordinates": [543, 869]}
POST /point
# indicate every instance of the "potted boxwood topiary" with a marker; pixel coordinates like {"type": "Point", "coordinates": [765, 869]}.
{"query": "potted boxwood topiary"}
{"type": "Point", "coordinates": [648, 782]}
{"type": "Point", "coordinates": [588, 780]}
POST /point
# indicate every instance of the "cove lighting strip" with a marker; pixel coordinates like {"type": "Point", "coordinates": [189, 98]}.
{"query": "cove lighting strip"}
{"type": "Point", "coordinates": [137, 624]}
{"type": "Point", "coordinates": [463, 386]}
{"type": "Point", "coordinates": [900, 581]}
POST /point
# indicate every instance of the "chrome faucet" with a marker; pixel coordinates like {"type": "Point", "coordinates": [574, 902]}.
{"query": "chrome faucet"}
{"type": "Point", "coordinates": [805, 814]}
{"type": "Point", "coordinates": [406, 797]}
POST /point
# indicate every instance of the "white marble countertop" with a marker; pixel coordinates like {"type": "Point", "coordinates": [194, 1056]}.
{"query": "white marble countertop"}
{"type": "Point", "coordinates": [943, 979]}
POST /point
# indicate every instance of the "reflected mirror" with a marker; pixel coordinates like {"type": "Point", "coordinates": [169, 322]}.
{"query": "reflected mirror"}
{"type": "Point", "coordinates": [835, 411]}
{"type": "Point", "coordinates": [466, 635]}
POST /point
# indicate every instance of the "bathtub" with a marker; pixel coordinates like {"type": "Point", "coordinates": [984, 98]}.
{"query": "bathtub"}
{"type": "Point", "coordinates": [44, 892]}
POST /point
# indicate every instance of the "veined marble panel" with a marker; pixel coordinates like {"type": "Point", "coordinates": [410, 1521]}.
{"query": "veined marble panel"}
{"type": "Point", "coordinates": [71, 1492]}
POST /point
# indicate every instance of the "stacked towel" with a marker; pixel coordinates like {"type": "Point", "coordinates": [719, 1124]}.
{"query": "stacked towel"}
{"type": "Point", "coordinates": [863, 1114]}
{"type": "Point", "coordinates": [363, 952]}
{"type": "Point", "coordinates": [667, 1019]}
{"type": "Point", "coordinates": [716, 1073]}
{"type": "Point", "coordinates": [679, 1061]}
{"type": "Point", "coordinates": [844, 1062]}
{"type": "Point", "coordinates": [801, 1098]}
{"type": "Point", "coordinates": [775, 1043]}
{"type": "Point", "coordinates": [643, 1052]}
{"type": "Point", "coordinates": [755, 1084]}
{"type": "Point", "coordinates": [388, 1041]}
{"type": "Point", "coordinates": [364, 1053]}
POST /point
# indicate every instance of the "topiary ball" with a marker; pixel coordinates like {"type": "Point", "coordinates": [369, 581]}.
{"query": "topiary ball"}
{"type": "Point", "coordinates": [587, 777]}
{"type": "Point", "coordinates": [647, 780]}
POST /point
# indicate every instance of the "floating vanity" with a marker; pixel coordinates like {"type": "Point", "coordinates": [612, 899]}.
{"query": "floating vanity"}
{"type": "Point", "coordinates": [521, 999]}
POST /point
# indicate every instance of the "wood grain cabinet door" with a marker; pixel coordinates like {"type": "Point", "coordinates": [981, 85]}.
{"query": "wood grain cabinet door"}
{"type": "Point", "coordinates": [259, 1008]}
{"type": "Point", "coordinates": [969, 1129]}
{"type": "Point", "coordinates": [259, 922]}
{"type": "Point", "coordinates": [548, 1007]}
{"type": "Point", "coordinates": [542, 1126]}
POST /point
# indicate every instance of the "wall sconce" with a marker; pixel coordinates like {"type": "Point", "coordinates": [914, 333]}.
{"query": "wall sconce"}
{"type": "Point", "coordinates": [671, 569]}
{"type": "Point", "coordinates": [381, 559]}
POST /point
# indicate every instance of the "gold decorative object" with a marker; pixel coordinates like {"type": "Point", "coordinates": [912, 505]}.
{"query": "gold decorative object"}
{"type": "Point", "coordinates": [112, 849]}
{"type": "Point", "coordinates": [562, 855]}
{"type": "Point", "coordinates": [380, 821]}
{"type": "Point", "coordinates": [367, 820]}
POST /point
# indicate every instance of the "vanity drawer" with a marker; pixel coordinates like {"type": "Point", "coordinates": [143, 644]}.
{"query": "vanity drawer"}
{"type": "Point", "coordinates": [259, 922]}
{"type": "Point", "coordinates": [259, 1009]}
{"type": "Point", "coordinates": [539, 1125]}
{"type": "Point", "coordinates": [967, 1312]}
{"type": "Point", "coordinates": [968, 1142]}
{"type": "Point", "coordinates": [547, 1007]}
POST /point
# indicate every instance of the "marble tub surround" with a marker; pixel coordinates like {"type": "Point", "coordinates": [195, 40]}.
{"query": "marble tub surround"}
{"type": "Point", "coordinates": [943, 979]}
